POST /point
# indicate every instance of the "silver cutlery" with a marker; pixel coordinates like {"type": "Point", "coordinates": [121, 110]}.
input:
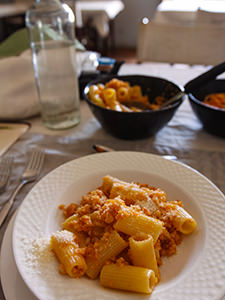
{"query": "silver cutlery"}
{"type": "Point", "coordinates": [5, 171]}
{"type": "Point", "coordinates": [30, 174]}
{"type": "Point", "coordinates": [100, 149]}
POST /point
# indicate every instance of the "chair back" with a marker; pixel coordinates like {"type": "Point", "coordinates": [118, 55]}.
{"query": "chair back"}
{"type": "Point", "coordinates": [198, 42]}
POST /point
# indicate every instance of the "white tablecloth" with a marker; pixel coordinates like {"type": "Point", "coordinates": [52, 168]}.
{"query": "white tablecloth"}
{"type": "Point", "coordinates": [182, 137]}
{"type": "Point", "coordinates": [184, 130]}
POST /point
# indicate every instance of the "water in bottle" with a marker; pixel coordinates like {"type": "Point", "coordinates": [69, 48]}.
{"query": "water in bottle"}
{"type": "Point", "coordinates": [51, 31]}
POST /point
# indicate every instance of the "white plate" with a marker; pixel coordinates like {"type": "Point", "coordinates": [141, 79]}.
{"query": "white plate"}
{"type": "Point", "coordinates": [12, 283]}
{"type": "Point", "coordinates": [196, 272]}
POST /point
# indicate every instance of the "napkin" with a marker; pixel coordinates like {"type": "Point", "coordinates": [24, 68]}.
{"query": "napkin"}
{"type": "Point", "coordinates": [9, 133]}
{"type": "Point", "coordinates": [18, 93]}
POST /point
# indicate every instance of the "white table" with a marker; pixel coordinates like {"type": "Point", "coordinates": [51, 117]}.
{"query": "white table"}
{"type": "Point", "coordinates": [183, 136]}
{"type": "Point", "coordinates": [195, 138]}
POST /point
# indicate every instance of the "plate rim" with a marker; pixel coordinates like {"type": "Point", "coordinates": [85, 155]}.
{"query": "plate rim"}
{"type": "Point", "coordinates": [6, 273]}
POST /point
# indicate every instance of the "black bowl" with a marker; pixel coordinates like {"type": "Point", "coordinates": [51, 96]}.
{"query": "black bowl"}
{"type": "Point", "coordinates": [212, 118]}
{"type": "Point", "coordinates": [136, 125]}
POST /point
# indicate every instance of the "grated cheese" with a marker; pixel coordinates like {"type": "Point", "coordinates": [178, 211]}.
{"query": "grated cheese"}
{"type": "Point", "coordinates": [64, 236]}
{"type": "Point", "coordinates": [38, 255]}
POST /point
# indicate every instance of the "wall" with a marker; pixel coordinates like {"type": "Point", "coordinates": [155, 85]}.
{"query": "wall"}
{"type": "Point", "coordinates": [126, 23]}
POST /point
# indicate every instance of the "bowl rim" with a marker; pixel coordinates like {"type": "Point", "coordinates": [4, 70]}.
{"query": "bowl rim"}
{"type": "Point", "coordinates": [172, 106]}
{"type": "Point", "coordinates": [192, 98]}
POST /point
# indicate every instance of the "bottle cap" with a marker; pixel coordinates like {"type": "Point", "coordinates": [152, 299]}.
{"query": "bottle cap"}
{"type": "Point", "coordinates": [106, 61]}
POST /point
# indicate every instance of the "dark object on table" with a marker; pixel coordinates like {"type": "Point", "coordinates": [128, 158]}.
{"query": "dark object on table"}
{"type": "Point", "coordinates": [198, 82]}
{"type": "Point", "coordinates": [212, 118]}
{"type": "Point", "coordinates": [86, 77]}
{"type": "Point", "coordinates": [136, 125]}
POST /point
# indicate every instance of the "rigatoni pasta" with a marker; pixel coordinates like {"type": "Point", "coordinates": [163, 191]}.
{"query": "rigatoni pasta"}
{"type": "Point", "coordinates": [70, 223]}
{"type": "Point", "coordinates": [68, 254]}
{"type": "Point", "coordinates": [109, 246]}
{"type": "Point", "coordinates": [129, 278]}
{"type": "Point", "coordinates": [142, 253]}
{"type": "Point", "coordinates": [185, 223]}
{"type": "Point", "coordinates": [130, 193]}
{"type": "Point", "coordinates": [121, 230]}
{"type": "Point", "coordinates": [95, 96]}
{"type": "Point", "coordinates": [119, 95]}
{"type": "Point", "coordinates": [134, 224]}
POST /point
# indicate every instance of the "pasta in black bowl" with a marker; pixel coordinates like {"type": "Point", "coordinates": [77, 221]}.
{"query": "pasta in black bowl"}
{"type": "Point", "coordinates": [211, 117]}
{"type": "Point", "coordinates": [125, 123]}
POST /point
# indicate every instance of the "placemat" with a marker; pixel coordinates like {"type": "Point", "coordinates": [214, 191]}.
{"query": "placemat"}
{"type": "Point", "coordinates": [9, 133]}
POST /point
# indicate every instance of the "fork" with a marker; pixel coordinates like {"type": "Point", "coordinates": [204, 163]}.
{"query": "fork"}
{"type": "Point", "coordinates": [5, 171]}
{"type": "Point", "coordinates": [30, 174]}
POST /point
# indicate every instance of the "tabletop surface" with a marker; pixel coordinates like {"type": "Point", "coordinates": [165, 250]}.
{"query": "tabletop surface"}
{"type": "Point", "coordinates": [182, 137]}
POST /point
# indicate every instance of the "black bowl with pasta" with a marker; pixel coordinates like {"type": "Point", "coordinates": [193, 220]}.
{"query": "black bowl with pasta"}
{"type": "Point", "coordinates": [136, 124]}
{"type": "Point", "coordinates": [211, 117]}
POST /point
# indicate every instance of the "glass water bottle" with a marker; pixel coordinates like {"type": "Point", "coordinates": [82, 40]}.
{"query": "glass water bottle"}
{"type": "Point", "coordinates": [52, 39]}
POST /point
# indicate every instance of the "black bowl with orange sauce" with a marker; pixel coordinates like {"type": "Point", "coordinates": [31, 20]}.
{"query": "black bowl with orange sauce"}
{"type": "Point", "coordinates": [137, 125]}
{"type": "Point", "coordinates": [212, 118]}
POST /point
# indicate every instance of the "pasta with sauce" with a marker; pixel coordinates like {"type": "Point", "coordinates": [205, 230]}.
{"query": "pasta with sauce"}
{"type": "Point", "coordinates": [216, 100]}
{"type": "Point", "coordinates": [119, 95]}
{"type": "Point", "coordinates": [120, 231]}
